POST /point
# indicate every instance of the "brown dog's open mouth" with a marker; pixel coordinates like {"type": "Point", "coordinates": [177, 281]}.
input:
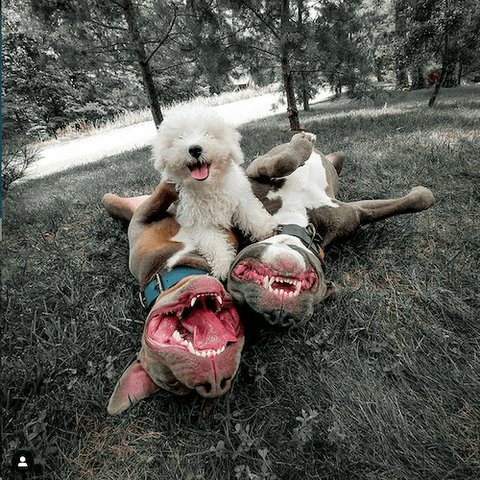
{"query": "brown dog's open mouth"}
{"type": "Point", "coordinates": [204, 324]}
{"type": "Point", "coordinates": [199, 170]}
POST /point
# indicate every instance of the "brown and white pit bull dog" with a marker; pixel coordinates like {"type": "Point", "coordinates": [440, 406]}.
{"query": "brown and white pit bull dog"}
{"type": "Point", "coordinates": [193, 337]}
{"type": "Point", "coordinates": [282, 277]}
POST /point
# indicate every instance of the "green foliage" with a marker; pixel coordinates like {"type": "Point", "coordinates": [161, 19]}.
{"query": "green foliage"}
{"type": "Point", "coordinates": [16, 158]}
{"type": "Point", "coordinates": [46, 86]}
{"type": "Point", "coordinates": [341, 50]}
{"type": "Point", "coordinates": [75, 62]}
{"type": "Point", "coordinates": [442, 35]}
{"type": "Point", "coordinates": [307, 423]}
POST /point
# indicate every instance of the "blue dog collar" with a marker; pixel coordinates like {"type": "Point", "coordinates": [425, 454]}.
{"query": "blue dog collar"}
{"type": "Point", "coordinates": [164, 282]}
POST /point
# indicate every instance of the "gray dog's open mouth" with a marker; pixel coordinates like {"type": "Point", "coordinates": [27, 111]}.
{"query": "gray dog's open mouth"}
{"type": "Point", "coordinates": [199, 170]}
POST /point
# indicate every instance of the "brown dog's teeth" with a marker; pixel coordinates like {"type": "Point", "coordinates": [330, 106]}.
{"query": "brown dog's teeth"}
{"type": "Point", "coordinates": [218, 302]}
{"type": "Point", "coordinates": [176, 335]}
{"type": "Point", "coordinates": [217, 298]}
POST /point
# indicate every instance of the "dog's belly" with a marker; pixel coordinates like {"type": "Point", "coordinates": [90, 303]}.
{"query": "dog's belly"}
{"type": "Point", "coordinates": [304, 189]}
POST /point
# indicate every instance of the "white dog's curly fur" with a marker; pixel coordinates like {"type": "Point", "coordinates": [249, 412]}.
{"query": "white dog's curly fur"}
{"type": "Point", "coordinates": [197, 151]}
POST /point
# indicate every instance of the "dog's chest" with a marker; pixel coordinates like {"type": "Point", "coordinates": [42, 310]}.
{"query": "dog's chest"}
{"type": "Point", "coordinates": [215, 205]}
{"type": "Point", "coordinates": [212, 210]}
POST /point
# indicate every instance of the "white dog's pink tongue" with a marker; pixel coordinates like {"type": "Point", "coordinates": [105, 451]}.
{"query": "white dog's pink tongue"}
{"type": "Point", "coordinates": [200, 172]}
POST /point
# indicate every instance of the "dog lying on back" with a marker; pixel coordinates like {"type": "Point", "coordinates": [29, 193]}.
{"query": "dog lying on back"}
{"type": "Point", "coordinates": [200, 154]}
{"type": "Point", "coordinates": [282, 277]}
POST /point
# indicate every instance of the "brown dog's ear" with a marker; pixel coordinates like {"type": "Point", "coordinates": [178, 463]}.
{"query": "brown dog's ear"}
{"type": "Point", "coordinates": [134, 385]}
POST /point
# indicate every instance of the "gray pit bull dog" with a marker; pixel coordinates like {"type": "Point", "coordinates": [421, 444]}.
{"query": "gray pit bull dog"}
{"type": "Point", "coordinates": [282, 277]}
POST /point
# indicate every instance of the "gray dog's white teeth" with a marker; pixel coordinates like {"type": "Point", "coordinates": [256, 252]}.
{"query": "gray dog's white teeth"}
{"type": "Point", "coordinates": [268, 282]}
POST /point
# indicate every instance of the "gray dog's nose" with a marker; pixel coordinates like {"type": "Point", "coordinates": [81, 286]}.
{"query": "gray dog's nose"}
{"type": "Point", "coordinates": [195, 151]}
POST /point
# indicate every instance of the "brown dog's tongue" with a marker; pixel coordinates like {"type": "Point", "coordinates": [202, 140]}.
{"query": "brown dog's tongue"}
{"type": "Point", "coordinates": [208, 331]}
{"type": "Point", "coordinates": [200, 171]}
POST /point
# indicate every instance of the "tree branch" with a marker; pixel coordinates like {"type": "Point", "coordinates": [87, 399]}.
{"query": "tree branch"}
{"type": "Point", "coordinates": [172, 23]}
{"type": "Point", "coordinates": [262, 20]}
{"type": "Point", "coordinates": [109, 27]}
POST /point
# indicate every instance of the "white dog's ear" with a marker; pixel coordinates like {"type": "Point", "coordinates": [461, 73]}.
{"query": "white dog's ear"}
{"type": "Point", "coordinates": [158, 161]}
{"type": "Point", "coordinates": [158, 146]}
{"type": "Point", "coordinates": [237, 154]}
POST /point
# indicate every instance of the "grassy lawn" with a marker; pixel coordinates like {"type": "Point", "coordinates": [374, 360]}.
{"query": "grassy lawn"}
{"type": "Point", "coordinates": [383, 382]}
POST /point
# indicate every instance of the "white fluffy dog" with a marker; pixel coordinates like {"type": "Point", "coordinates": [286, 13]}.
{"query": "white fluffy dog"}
{"type": "Point", "coordinates": [197, 151]}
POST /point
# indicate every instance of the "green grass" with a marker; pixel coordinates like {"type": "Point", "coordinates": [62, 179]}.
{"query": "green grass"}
{"type": "Point", "coordinates": [383, 382]}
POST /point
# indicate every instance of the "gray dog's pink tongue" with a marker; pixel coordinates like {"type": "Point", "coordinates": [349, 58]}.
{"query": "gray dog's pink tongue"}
{"type": "Point", "coordinates": [200, 172]}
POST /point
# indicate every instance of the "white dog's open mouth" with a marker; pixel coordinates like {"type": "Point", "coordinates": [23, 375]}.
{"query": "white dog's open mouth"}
{"type": "Point", "coordinates": [199, 170]}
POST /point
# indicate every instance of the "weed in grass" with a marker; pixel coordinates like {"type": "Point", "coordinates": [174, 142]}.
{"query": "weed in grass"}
{"type": "Point", "coordinates": [304, 431]}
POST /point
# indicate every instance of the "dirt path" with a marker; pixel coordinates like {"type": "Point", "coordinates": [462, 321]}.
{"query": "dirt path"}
{"type": "Point", "coordinates": [95, 147]}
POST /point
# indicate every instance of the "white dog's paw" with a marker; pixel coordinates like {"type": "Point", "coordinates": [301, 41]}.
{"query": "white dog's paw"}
{"type": "Point", "coordinates": [268, 229]}
{"type": "Point", "coordinates": [221, 269]}
{"type": "Point", "coordinates": [220, 255]}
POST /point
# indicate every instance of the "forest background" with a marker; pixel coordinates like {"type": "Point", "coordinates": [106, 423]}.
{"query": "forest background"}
{"type": "Point", "coordinates": [77, 63]}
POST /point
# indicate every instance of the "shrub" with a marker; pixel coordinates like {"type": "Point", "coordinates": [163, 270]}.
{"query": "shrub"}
{"type": "Point", "coordinates": [16, 158]}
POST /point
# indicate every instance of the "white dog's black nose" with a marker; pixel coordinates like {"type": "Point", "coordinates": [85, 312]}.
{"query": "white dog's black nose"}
{"type": "Point", "coordinates": [195, 151]}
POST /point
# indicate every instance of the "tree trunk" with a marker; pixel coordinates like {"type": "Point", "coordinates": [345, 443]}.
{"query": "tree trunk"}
{"type": "Point", "coordinates": [306, 100]}
{"type": "Point", "coordinates": [401, 75]}
{"type": "Point", "coordinates": [292, 111]}
{"type": "Point", "coordinates": [150, 89]}
{"type": "Point", "coordinates": [418, 76]}
{"type": "Point", "coordinates": [436, 90]}
{"type": "Point", "coordinates": [303, 75]}
{"type": "Point", "coordinates": [452, 79]}
{"type": "Point", "coordinates": [445, 72]}
{"type": "Point", "coordinates": [451, 71]}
